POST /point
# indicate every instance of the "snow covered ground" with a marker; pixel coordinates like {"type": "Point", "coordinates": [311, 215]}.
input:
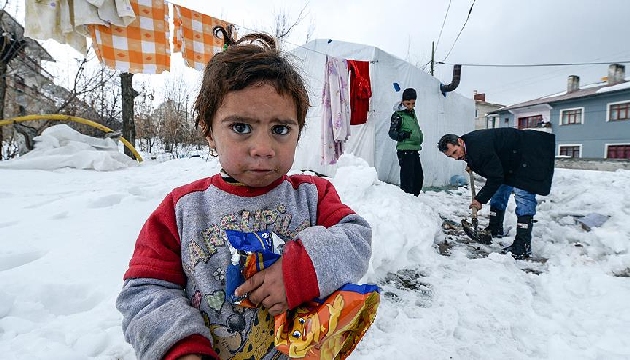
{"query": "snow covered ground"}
{"type": "Point", "coordinates": [67, 234]}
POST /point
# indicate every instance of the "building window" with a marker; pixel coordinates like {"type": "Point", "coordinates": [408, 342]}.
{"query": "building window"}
{"type": "Point", "coordinates": [571, 116]}
{"type": "Point", "coordinates": [572, 151]}
{"type": "Point", "coordinates": [528, 122]}
{"type": "Point", "coordinates": [620, 111]}
{"type": "Point", "coordinates": [618, 152]}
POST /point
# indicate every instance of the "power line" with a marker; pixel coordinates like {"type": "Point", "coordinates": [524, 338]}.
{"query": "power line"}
{"type": "Point", "coordinates": [460, 31]}
{"type": "Point", "coordinates": [540, 65]}
{"type": "Point", "coordinates": [548, 74]}
{"type": "Point", "coordinates": [442, 28]}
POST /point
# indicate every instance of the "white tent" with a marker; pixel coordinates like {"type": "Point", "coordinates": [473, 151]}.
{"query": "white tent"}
{"type": "Point", "coordinates": [437, 114]}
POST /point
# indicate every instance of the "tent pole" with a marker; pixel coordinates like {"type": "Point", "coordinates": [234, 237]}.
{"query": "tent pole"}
{"type": "Point", "coordinates": [432, 56]}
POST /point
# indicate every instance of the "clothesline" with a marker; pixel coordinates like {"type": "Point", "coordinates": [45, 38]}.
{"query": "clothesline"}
{"type": "Point", "coordinates": [127, 35]}
{"type": "Point", "coordinates": [131, 35]}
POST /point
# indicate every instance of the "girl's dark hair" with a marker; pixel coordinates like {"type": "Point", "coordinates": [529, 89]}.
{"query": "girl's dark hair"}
{"type": "Point", "coordinates": [445, 140]}
{"type": "Point", "coordinates": [252, 59]}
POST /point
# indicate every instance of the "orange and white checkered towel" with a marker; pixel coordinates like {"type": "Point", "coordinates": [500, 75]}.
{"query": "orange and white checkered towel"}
{"type": "Point", "coordinates": [193, 36]}
{"type": "Point", "coordinates": [140, 48]}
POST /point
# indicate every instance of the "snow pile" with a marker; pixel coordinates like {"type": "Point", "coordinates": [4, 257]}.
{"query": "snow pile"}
{"type": "Point", "coordinates": [60, 146]}
{"type": "Point", "coordinates": [67, 237]}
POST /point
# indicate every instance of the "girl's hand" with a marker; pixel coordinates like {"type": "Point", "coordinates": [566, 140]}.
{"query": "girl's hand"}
{"type": "Point", "coordinates": [266, 288]}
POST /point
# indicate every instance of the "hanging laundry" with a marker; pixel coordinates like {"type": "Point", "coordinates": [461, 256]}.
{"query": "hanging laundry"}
{"type": "Point", "coordinates": [335, 110]}
{"type": "Point", "coordinates": [101, 12]}
{"type": "Point", "coordinates": [65, 20]}
{"type": "Point", "coordinates": [140, 48]}
{"type": "Point", "coordinates": [113, 12]}
{"type": "Point", "coordinates": [360, 91]}
{"type": "Point", "coordinates": [52, 20]}
{"type": "Point", "coordinates": [193, 36]}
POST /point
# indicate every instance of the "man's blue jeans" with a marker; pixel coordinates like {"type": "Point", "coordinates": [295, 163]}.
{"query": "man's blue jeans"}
{"type": "Point", "coordinates": [525, 201]}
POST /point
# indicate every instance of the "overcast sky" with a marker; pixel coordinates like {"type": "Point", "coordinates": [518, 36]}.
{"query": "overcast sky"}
{"type": "Point", "coordinates": [497, 32]}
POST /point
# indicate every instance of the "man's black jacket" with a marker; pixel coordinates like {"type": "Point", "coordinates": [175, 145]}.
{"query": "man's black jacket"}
{"type": "Point", "coordinates": [520, 158]}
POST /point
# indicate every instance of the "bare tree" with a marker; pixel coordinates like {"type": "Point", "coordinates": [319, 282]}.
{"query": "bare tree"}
{"type": "Point", "coordinates": [311, 30]}
{"type": "Point", "coordinates": [147, 128]}
{"type": "Point", "coordinates": [284, 25]}
{"type": "Point", "coordinates": [172, 127]}
{"type": "Point", "coordinates": [174, 123]}
{"type": "Point", "coordinates": [94, 94]}
{"type": "Point", "coordinates": [11, 45]}
{"type": "Point", "coordinates": [96, 86]}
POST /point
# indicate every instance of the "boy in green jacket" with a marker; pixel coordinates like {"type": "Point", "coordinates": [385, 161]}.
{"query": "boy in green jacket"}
{"type": "Point", "coordinates": [406, 131]}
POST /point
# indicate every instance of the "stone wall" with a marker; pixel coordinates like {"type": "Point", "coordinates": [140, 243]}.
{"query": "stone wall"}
{"type": "Point", "coordinates": [593, 164]}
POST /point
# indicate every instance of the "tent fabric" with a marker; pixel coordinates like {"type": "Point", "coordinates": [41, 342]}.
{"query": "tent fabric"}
{"type": "Point", "coordinates": [436, 113]}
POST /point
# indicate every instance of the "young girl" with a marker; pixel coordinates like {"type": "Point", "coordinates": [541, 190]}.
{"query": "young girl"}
{"type": "Point", "coordinates": [251, 108]}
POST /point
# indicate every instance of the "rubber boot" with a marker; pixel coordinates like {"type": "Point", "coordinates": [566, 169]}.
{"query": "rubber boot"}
{"type": "Point", "coordinates": [521, 248]}
{"type": "Point", "coordinates": [495, 226]}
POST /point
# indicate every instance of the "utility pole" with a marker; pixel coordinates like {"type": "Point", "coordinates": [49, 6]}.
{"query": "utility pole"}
{"type": "Point", "coordinates": [432, 56]}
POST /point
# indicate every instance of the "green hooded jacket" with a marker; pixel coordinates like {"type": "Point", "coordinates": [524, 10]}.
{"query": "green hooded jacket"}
{"type": "Point", "coordinates": [406, 123]}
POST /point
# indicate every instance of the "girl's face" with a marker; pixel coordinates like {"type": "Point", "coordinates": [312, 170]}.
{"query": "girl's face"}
{"type": "Point", "coordinates": [255, 133]}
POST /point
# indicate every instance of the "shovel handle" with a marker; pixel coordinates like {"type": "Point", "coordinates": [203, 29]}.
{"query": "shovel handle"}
{"type": "Point", "coordinates": [472, 189]}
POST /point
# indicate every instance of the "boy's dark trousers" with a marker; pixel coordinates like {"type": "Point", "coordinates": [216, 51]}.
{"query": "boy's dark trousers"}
{"type": "Point", "coordinates": [411, 175]}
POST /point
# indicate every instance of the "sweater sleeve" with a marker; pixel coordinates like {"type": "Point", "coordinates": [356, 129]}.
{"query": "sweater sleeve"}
{"type": "Point", "coordinates": [159, 322]}
{"type": "Point", "coordinates": [394, 128]}
{"type": "Point", "coordinates": [158, 319]}
{"type": "Point", "coordinates": [300, 286]}
{"type": "Point", "coordinates": [338, 246]}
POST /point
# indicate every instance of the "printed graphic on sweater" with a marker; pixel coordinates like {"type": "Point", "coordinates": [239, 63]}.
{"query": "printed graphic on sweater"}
{"type": "Point", "coordinates": [275, 220]}
{"type": "Point", "coordinates": [238, 332]}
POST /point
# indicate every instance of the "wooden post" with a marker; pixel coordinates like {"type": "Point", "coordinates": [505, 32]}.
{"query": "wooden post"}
{"type": "Point", "coordinates": [128, 96]}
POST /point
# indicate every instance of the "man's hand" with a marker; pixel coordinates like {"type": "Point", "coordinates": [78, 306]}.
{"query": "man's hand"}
{"type": "Point", "coordinates": [266, 288]}
{"type": "Point", "coordinates": [475, 204]}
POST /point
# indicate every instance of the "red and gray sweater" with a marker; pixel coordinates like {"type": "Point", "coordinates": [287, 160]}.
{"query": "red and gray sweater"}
{"type": "Point", "coordinates": [173, 299]}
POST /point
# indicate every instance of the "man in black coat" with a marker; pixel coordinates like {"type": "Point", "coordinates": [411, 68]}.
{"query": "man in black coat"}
{"type": "Point", "coordinates": [511, 160]}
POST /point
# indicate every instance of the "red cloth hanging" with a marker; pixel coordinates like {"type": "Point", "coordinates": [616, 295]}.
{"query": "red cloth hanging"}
{"type": "Point", "coordinates": [360, 91]}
